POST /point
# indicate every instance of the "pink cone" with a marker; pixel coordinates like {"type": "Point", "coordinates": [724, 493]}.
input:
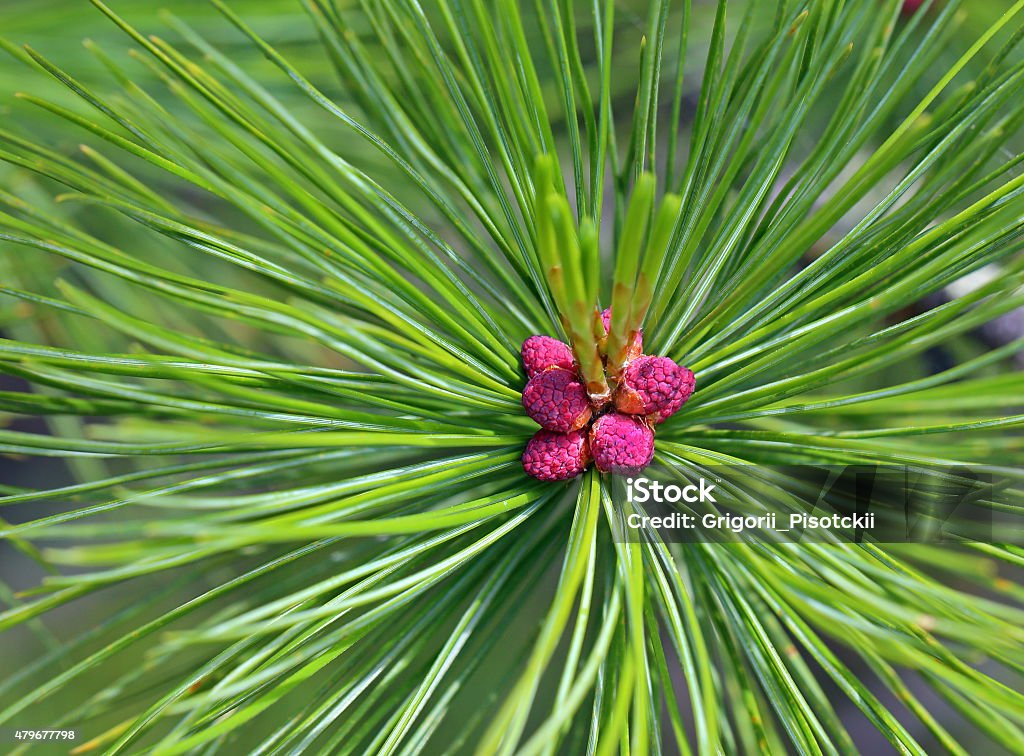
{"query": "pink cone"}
{"type": "Point", "coordinates": [622, 444]}
{"type": "Point", "coordinates": [557, 400]}
{"type": "Point", "coordinates": [543, 352]}
{"type": "Point", "coordinates": [556, 456]}
{"type": "Point", "coordinates": [654, 386]}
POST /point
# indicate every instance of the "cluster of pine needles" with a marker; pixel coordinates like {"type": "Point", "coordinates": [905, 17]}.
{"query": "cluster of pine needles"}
{"type": "Point", "coordinates": [263, 281]}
